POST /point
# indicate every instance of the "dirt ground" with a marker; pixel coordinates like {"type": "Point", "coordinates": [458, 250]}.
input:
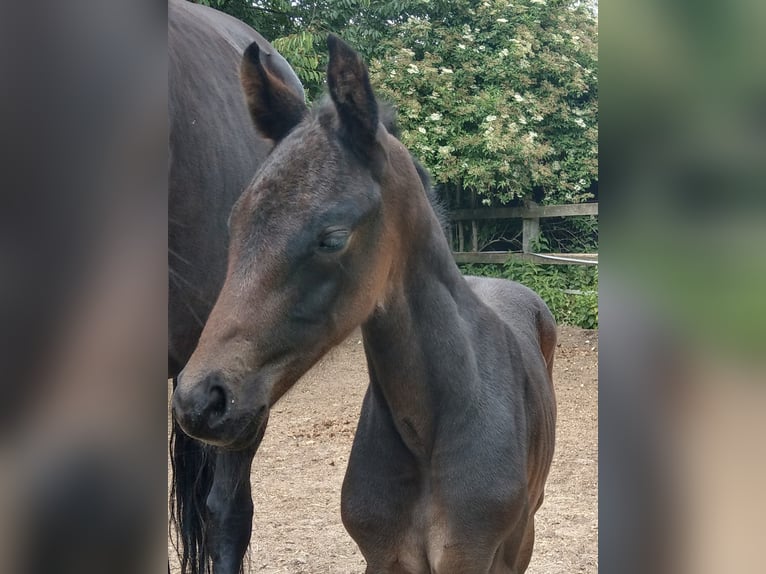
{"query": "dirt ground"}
{"type": "Point", "coordinates": [298, 471]}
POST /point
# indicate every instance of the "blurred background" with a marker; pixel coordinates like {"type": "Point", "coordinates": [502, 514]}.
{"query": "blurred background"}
{"type": "Point", "coordinates": [83, 274]}
{"type": "Point", "coordinates": [682, 306]}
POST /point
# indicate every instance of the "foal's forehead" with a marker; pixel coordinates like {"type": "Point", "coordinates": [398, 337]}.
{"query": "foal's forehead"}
{"type": "Point", "coordinates": [305, 159]}
{"type": "Point", "coordinates": [310, 165]}
{"type": "Point", "coordinates": [309, 177]}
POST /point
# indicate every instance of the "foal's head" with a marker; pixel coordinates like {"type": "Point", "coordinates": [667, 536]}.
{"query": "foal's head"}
{"type": "Point", "coordinates": [314, 248]}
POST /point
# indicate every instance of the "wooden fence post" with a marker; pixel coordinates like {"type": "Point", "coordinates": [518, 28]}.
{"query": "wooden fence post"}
{"type": "Point", "coordinates": [530, 230]}
{"type": "Point", "coordinates": [460, 238]}
{"type": "Point", "coordinates": [474, 226]}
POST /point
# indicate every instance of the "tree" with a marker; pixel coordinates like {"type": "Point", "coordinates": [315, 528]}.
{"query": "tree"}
{"type": "Point", "coordinates": [497, 97]}
{"type": "Point", "coordinates": [298, 29]}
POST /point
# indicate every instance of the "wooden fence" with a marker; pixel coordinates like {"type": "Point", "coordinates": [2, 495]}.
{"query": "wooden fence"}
{"type": "Point", "coordinates": [530, 216]}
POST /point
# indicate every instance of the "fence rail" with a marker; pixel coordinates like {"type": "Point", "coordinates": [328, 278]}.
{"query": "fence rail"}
{"type": "Point", "coordinates": [531, 212]}
{"type": "Point", "coordinates": [546, 258]}
{"type": "Point", "coordinates": [530, 216]}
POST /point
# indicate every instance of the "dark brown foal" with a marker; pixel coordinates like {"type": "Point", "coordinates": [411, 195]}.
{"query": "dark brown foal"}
{"type": "Point", "coordinates": [456, 433]}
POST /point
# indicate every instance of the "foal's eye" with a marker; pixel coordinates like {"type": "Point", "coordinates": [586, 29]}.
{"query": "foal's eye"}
{"type": "Point", "coordinates": [333, 241]}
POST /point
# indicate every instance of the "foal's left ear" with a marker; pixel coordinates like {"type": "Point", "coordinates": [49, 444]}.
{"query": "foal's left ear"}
{"type": "Point", "coordinates": [274, 103]}
{"type": "Point", "coordinates": [350, 90]}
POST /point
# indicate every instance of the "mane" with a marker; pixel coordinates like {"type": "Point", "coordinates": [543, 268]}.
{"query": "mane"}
{"type": "Point", "coordinates": [324, 111]}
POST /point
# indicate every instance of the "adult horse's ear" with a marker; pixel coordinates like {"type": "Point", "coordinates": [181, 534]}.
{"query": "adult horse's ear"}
{"type": "Point", "coordinates": [275, 105]}
{"type": "Point", "coordinates": [350, 90]}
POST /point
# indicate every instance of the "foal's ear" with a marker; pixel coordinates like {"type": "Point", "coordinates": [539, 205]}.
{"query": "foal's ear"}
{"type": "Point", "coordinates": [275, 105]}
{"type": "Point", "coordinates": [350, 90]}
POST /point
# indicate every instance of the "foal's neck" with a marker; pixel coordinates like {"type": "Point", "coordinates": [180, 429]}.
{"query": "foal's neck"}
{"type": "Point", "coordinates": [421, 343]}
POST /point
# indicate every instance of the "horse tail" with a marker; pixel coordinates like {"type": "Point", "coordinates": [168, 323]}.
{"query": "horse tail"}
{"type": "Point", "coordinates": [193, 468]}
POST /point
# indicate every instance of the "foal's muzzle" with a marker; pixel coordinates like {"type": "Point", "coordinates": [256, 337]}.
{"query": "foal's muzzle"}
{"type": "Point", "coordinates": [208, 410]}
{"type": "Point", "coordinates": [201, 407]}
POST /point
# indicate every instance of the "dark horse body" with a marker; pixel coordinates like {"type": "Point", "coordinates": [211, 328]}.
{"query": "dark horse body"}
{"type": "Point", "coordinates": [214, 152]}
{"type": "Point", "coordinates": [456, 433]}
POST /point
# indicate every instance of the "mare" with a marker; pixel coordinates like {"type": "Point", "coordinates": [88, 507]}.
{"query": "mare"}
{"type": "Point", "coordinates": [214, 151]}
{"type": "Point", "coordinates": [456, 434]}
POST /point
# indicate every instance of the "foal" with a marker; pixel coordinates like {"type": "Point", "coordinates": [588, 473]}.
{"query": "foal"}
{"type": "Point", "coordinates": [456, 433]}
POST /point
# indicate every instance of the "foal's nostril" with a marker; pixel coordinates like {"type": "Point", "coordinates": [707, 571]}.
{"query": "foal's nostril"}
{"type": "Point", "coordinates": [202, 407]}
{"type": "Point", "coordinates": [217, 401]}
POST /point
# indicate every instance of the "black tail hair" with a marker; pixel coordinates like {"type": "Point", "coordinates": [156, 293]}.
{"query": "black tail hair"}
{"type": "Point", "coordinates": [193, 468]}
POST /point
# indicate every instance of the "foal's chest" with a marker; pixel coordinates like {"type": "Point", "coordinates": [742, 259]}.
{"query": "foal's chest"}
{"type": "Point", "coordinates": [424, 535]}
{"type": "Point", "coordinates": [419, 531]}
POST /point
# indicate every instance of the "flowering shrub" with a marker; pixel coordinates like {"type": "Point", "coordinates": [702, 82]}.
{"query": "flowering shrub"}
{"type": "Point", "coordinates": [498, 97]}
{"type": "Point", "coordinates": [505, 102]}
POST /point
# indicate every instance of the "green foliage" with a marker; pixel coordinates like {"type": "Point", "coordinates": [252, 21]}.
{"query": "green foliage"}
{"type": "Point", "coordinates": [499, 97]}
{"type": "Point", "coordinates": [298, 29]}
{"type": "Point", "coordinates": [300, 47]}
{"type": "Point", "coordinates": [552, 282]}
